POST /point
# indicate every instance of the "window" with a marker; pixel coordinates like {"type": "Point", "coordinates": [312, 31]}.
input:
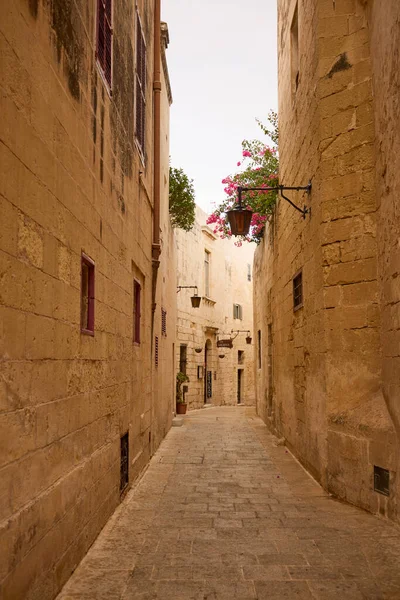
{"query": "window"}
{"type": "Point", "coordinates": [87, 295]}
{"type": "Point", "coordinates": [248, 272]}
{"type": "Point", "coordinates": [294, 50]}
{"type": "Point", "coordinates": [207, 273]}
{"type": "Point", "coordinates": [259, 348]}
{"type": "Point", "coordinates": [240, 357]}
{"type": "Point", "coordinates": [183, 359]}
{"type": "Point", "coordinates": [140, 86]}
{"type": "Point", "coordinates": [156, 351]}
{"type": "Point", "coordinates": [137, 289]}
{"type": "Point", "coordinates": [124, 462]}
{"type": "Point", "coordinates": [164, 322]}
{"type": "Point", "coordinates": [104, 38]}
{"type": "Point", "coordinates": [237, 311]}
{"type": "Point", "coordinates": [298, 291]}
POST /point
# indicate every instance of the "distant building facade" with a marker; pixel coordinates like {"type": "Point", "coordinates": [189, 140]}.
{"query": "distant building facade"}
{"type": "Point", "coordinates": [87, 384]}
{"type": "Point", "coordinates": [223, 274]}
{"type": "Point", "coordinates": [327, 288]}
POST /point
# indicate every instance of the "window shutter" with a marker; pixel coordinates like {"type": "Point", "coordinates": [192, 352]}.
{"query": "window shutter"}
{"type": "Point", "coordinates": [240, 312]}
{"type": "Point", "coordinates": [104, 38]}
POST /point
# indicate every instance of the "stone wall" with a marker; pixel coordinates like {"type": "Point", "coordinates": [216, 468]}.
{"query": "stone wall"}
{"type": "Point", "coordinates": [384, 21]}
{"type": "Point", "coordinates": [72, 181]}
{"type": "Point", "coordinates": [229, 284]}
{"type": "Point", "coordinates": [324, 391]}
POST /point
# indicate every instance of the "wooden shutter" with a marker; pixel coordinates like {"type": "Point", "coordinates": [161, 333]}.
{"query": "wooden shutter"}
{"type": "Point", "coordinates": [140, 86]}
{"type": "Point", "coordinates": [104, 38]}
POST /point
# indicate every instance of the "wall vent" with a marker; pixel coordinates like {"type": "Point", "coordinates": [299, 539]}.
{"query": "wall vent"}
{"type": "Point", "coordinates": [381, 480]}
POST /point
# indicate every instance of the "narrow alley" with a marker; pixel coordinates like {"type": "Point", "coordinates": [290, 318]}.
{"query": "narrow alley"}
{"type": "Point", "coordinates": [224, 511]}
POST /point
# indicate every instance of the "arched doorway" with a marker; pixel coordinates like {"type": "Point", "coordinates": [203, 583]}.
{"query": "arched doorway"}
{"type": "Point", "coordinates": [207, 372]}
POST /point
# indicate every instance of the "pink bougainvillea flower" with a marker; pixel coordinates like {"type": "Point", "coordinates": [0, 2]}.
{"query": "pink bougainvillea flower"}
{"type": "Point", "coordinates": [246, 153]}
{"type": "Point", "coordinates": [239, 163]}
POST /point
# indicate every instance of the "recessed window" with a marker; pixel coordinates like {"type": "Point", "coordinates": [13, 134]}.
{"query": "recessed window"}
{"type": "Point", "coordinates": [137, 291]}
{"type": "Point", "coordinates": [238, 311]}
{"type": "Point", "coordinates": [207, 260]}
{"type": "Point", "coordinates": [87, 295]}
{"type": "Point", "coordinates": [259, 348]}
{"type": "Point", "coordinates": [104, 39]}
{"type": "Point", "coordinates": [240, 357]}
{"type": "Point", "coordinates": [124, 462]}
{"type": "Point", "coordinates": [248, 272]}
{"type": "Point", "coordinates": [140, 129]}
{"type": "Point", "coordinates": [164, 322]}
{"type": "Point", "coordinates": [298, 291]}
{"type": "Point", "coordinates": [183, 358]}
{"type": "Point", "coordinates": [294, 51]}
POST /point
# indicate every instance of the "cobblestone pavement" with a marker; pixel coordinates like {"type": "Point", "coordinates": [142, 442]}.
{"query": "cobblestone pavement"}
{"type": "Point", "coordinates": [223, 513]}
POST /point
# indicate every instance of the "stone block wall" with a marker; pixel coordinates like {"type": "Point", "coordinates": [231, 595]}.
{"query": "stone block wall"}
{"type": "Point", "coordinates": [71, 181]}
{"type": "Point", "coordinates": [328, 398]}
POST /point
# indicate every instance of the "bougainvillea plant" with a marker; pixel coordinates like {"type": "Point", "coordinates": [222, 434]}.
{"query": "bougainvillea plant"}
{"type": "Point", "coordinates": [259, 168]}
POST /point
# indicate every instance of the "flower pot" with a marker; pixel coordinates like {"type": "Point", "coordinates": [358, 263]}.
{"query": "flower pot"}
{"type": "Point", "coordinates": [181, 408]}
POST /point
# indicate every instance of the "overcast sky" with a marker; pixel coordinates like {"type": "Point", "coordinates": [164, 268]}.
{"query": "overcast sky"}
{"type": "Point", "coordinates": [222, 63]}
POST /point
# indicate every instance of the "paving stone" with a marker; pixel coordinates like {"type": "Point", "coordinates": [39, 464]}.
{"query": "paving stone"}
{"type": "Point", "coordinates": [211, 520]}
{"type": "Point", "coordinates": [283, 590]}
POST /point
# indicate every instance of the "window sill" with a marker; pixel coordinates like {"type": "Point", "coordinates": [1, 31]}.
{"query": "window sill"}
{"type": "Point", "coordinates": [103, 79]}
{"type": "Point", "coordinates": [208, 301]}
{"type": "Point", "coordinates": [87, 332]}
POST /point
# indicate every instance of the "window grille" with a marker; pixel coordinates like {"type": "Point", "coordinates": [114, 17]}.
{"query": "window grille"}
{"type": "Point", "coordinates": [124, 462]}
{"type": "Point", "coordinates": [87, 295]}
{"type": "Point", "coordinates": [104, 38]}
{"type": "Point", "coordinates": [156, 351]}
{"type": "Point", "coordinates": [140, 86]}
{"type": "Point", "coordinates": [164, 322]}
{"type": "Point", "coordinates": [298, 291]}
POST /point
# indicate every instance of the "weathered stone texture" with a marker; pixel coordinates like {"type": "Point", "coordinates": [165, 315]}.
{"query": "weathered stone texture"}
{"type": "Point", "coordinates": [71, 181]}
{"type": "Point", "coordinates": [214, 320]}
{"type": "Point", "coordinates": [327, 385]}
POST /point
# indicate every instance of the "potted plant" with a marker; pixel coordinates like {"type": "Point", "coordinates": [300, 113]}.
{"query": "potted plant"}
{"type": "Point", "coordinates": [181, 405]}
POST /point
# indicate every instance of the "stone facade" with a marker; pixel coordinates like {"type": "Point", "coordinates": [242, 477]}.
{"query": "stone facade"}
{"type": "Point", "coordinates": [328, 380]}
{"type": "Point", "coordinates": [229, 283]}
{"type": "Point", "coordinates": [73, 181]}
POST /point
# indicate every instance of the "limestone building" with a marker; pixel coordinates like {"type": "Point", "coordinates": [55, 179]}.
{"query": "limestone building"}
{"type": "Point", "coordinates": [327, 287]}
{"type": "Point", "coordinates": [87, 311]}
{"type": "Point", "coordinates": [223, 275]}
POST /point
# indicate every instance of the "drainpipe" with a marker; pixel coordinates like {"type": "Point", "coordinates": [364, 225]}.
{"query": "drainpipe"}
{"type": "Point", "coordinates": [156, 248]}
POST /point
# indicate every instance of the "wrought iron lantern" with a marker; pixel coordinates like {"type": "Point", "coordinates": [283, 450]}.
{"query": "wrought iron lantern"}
{"type": "Point", "coordinates": [248, 339]}
{"type": "Point", "coordinates": [240, 218]}
{"type": "Point", "coordinates": [195, 299]}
